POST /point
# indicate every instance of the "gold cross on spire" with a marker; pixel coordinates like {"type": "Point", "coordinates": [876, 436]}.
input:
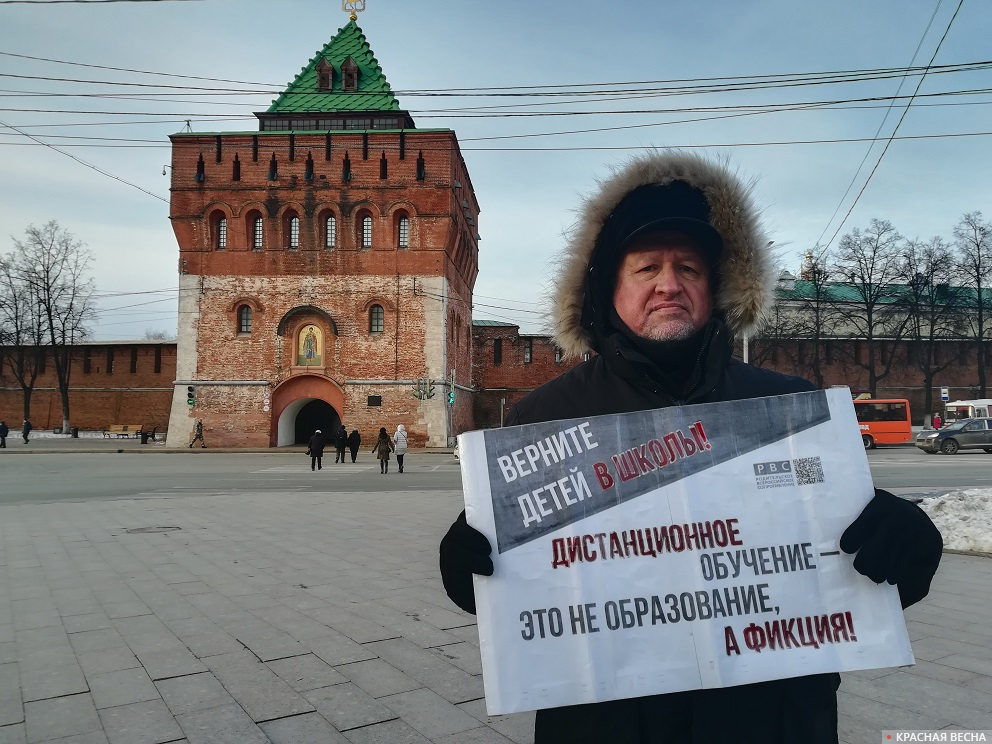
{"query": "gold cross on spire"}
{"type": "Point", "coordinates": [354, 7]}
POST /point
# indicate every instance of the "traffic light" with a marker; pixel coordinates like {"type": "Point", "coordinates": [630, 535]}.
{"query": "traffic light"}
{"type": "Point", "coordinates": [190, 395]}
{"type": "Point", "coordinates": [451, 397]}
{"type": "Point", "coordinates": [430, 389]}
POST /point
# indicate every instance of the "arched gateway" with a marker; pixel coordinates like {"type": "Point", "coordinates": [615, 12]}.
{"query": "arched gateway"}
{"type": "Point", "coordinates": [302, 404]}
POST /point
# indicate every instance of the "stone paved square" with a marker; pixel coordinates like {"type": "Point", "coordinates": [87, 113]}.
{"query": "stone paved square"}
{"type": "Point", "coordinates": [313, 615]}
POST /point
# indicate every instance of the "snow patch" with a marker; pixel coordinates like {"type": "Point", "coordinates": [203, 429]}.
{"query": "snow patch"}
{"type": "Point", "coordinates": [964, 518]}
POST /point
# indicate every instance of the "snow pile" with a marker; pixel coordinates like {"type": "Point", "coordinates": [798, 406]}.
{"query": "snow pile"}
{"type": "Point", "coordinates": [964, 518]}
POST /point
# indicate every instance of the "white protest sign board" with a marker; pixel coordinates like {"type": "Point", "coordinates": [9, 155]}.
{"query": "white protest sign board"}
{"type": "Point", "coordinates": [676, 549]}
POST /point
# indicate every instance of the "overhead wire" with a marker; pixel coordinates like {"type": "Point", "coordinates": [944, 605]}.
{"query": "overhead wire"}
{"type": "Point", "coordinates": [881, 124]}
{"type": "Point", "coordinates": [893, 137]}
{"type": "Point", "coordinates": [581, 148]}
{"type": "Point", "coordinates": [84, 163]}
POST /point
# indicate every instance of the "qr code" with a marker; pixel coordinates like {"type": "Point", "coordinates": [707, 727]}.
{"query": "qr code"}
{"type": "Point", "coordinates": [808, 470]}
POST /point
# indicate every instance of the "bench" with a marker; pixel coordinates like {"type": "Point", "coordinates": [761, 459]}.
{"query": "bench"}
{"type": "Point", "coordinates": [122, 431]}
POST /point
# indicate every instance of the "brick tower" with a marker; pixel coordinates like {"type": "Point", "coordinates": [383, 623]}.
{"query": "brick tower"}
{"type": "Point", "coordinates": [326, 266]}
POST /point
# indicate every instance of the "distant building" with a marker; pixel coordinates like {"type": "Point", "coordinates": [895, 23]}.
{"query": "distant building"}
{"type": "Point", "coordinates": [506, 366]}
{"type": "Point", "coordinates": [326, 265]}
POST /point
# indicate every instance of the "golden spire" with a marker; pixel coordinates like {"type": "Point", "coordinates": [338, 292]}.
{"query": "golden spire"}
{"type": "Point", "coordinates": [353, 7]}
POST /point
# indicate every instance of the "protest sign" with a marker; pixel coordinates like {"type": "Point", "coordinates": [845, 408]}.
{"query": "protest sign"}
{"type": "Point", "coordinates": [675, 549]}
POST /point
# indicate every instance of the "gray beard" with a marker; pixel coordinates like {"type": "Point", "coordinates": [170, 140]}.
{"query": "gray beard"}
{"type": "Point", "coordinates": [678, 333]}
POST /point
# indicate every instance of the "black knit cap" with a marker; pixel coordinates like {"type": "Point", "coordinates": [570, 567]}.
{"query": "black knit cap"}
{"type": "Point", "coordinates": [676, 207]}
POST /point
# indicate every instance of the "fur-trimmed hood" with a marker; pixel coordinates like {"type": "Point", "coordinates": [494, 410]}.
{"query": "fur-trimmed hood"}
{"type": "Point", "coordinates": [745, 273]}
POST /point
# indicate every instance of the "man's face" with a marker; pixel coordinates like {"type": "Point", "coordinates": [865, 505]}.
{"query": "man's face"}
{"type": "Point", "coordinates": [663, 288]}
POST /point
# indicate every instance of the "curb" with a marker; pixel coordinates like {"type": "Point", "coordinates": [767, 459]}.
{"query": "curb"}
{"type": "Point", "coordinates": [160, 450]}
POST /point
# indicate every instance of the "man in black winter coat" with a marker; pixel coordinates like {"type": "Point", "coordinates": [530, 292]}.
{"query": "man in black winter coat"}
{"type": "Point", "coordinates": [340, 444]}
{"type": "Point", "coordinates": [354, 442]}
{"type": "Point", "coordinates": [667, 265]}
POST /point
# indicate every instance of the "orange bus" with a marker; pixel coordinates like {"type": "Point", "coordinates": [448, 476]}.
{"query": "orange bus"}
{"type": "Point", "coordinates": [883, 421]}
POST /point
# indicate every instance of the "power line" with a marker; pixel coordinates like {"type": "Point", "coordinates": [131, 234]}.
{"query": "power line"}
{"type": "Point", "coordinates": [587, 148]}
{"type": "Point", "coordinates": [471, 114]}
{"type": "Point", "coordinates": [598, 90]}
{"type": "Point", "coordinates": [881, 124]}
{"type": "Point", "coordinates": [127, 69]}
{"type": "Point", "coordinates": [893, 137]}
{"type": "Point", "coordinates": [784, 108]}
{"type": "Point", "coordinates": [86, 2]}
{"type": "Point", "coordinates": [83, 162]}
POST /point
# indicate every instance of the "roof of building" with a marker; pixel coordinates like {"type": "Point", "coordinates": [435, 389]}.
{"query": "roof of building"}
{"type": "Point", "coordinates": [853, 292]}
{"type": "Point", "coordinates": [373, 93]}
{"type": "Point", "coordinates": [493, 324]}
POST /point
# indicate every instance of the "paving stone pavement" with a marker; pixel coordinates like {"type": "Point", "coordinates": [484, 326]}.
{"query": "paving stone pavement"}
{"type": "Point", "coordinates": [320, 617]}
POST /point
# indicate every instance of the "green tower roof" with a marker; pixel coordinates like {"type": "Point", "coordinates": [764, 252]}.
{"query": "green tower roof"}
{"type": "Point", "coordinates": [372, 93]}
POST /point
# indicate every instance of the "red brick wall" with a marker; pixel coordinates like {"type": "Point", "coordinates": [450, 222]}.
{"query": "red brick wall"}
{"type": "Point", "coordinates": [903, 381]}
{"type": "Point", "coordinates": [425, 288]}
{"type": "Point", "coordinates": [513, 378]}
{"type": "Point", "coordinates": [98, 399]}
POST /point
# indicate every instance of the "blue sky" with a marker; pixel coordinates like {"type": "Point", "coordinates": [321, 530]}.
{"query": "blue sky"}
{"type": "Point", "coordinates": [528, 187]}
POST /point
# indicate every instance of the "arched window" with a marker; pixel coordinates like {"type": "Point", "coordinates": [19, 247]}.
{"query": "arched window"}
{"type": "Point", "coordinates": [244, 319]}
{"type": "Point", "coordinates": [403, 232]}
{"type": "Point", "coordinates": [377, 319]}
{"type": "Point", "coordinates": [255, 229]}
{"type": "Point", "coordinates": [257, 233]}
{"type": "Point", "coordinates": [367, 232]}
{"type": "Point", "coordinates": [218, 230]}
{"type": "Point", "coordinates": [330, 232]}
{"type": "Point", "coordinates": [292, 228]}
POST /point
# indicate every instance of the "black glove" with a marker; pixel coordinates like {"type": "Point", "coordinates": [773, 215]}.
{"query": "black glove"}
{"type": "Point", "coordinates": [464, 551]}
{"type": "Point", "coordinates": [895, 542]}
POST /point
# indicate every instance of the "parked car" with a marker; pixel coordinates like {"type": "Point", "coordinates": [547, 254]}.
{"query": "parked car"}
{"type": "Point", "coordinates": [974, 433]}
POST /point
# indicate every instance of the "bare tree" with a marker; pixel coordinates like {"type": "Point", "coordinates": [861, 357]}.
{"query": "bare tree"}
{"type": "Point", "coordinates": [152, 334]}
{"type": "Point", "coordinates": [933, 307]}
{"type": "Point", "coordinates": [811, 315]}
{"type": "Point", "coordinates": [869, 262]}
{"type": "Point", "coordinates": [21, 330]}
{"type": "Point", "coordinates": [973, 236]}
{"type": "Point", "coordinates": [56, 266]}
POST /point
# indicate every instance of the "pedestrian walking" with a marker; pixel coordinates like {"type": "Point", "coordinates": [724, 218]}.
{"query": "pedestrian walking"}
{"type": "Point", "coordinates": [399, 442]}
{"type": "Point", "coordinates": [26, 430]}
{"type": "Point", "coordinates": [382, 447]}
{"type": "Point", "coordinates": [4, 431]}
{"type": "Point", "coordinates": [937, 421]}
{"type": "Point", "coordinates": [340, 444]}
{"type": "Point", "coordinates": [198, 435]}
{"type": "Point", "coordinates": [354, 442]}
{"type": "Point", "coordinates": [315, 448]}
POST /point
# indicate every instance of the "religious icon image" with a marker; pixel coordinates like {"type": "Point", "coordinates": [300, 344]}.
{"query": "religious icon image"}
{"type": "Point", "coordinates": [310, 344]}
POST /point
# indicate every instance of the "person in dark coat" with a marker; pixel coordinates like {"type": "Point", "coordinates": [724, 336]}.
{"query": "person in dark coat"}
{"type": "Point", "coordinates": [315, 448]}
{"type": "Point", "coordinates": [4, 431]}
{"type": "Point", "coordinates": [198, 434]}
{"type": "Point", "coordinates": [382, 447]}
{"type": "Point", "coordinates": [667, 266]}
{"type": "Point", "coordinates": [26, 430]}
{"type": "Point", "coordinates": [354, 442]}
{"type": "Point", "coordinates": [340, 444]}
